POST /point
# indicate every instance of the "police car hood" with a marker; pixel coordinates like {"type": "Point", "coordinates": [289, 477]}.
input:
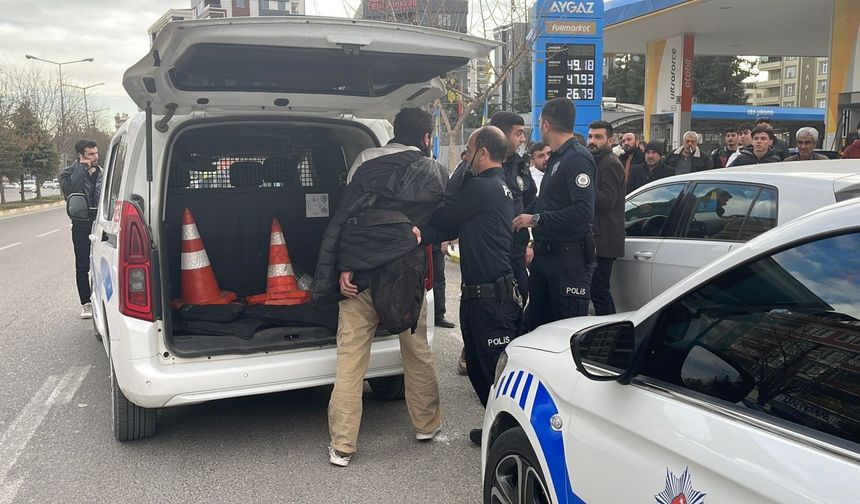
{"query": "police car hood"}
{"type": "Point", "coordinates": [555, 336]}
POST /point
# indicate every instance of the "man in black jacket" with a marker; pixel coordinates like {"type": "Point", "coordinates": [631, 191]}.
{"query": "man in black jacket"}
{"type": "Point", "coordinates": [561, 219]}
{"type": "Point", "coordinates": [370, 252]}
{"type": "Point", "coordinates": [761, 151]}
{"type": "Point", "coordinates": [688, 158]}
{"type": "Point", "coordinates": [720, 156]}
{"type": "Point", "coordinates": [608, 214]}
{"type": "Point", "coordinates": [779, 147]}
{"type": "Point", "coordinates": [480, 214]}
{"type": "Point", "coordinates": [652, 170]}
{"type": "Point", "coordinates": [83, 176]}
{"type": "Point", "coordinates": [519, 180]}
{"type": "Point", "coordinates": [632, 155]}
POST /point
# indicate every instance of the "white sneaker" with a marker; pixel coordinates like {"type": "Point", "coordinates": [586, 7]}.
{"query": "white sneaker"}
{"type": "Point", "coordinates": [87, 311]}
{"type": "Point", "coordinates": [337, 458]}
{"type": "Point", "coordinates": [420, 436]}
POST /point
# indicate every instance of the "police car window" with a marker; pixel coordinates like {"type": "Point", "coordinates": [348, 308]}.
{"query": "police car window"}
{"type": "Point", "coordinates": [114, 178]}
{"type": "Point", "coordinates": [719, 211]}
{"type": "Point", "coordinates": [647, 213]}
{"type": "Point", "coordinates": [762, 216]}
{"type": "Point", "coordinates": [778, 337]}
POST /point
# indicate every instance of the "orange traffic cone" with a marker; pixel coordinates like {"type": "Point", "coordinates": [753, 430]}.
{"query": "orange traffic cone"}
{"type": "Point", "coordinates": [199, 286]}
{"type": "Point", "coordinates": [281, 285]}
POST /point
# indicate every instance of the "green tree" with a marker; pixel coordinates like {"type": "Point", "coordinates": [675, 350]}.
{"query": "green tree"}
{"type": "Point", "coordinates": [10, 157]}
{"type": "Point", "coordinates": [626, 79]}
{"type": "Point", "coordinates": [719, 79]}
{"type": "Point", "coordinates": [39, 157]}
{"type": "Point", "coordinates": [716, 79]}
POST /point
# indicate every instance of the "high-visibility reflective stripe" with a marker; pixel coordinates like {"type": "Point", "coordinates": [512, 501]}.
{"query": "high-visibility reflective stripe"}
{"type": "Point", "coordinates": [277, 239]}
{"type": "Point", "coordinates": [195, 260]}
{"type": "Point", "coordinates": [280, 270]}
{"type": "Point", "coordinates": [189, 232]}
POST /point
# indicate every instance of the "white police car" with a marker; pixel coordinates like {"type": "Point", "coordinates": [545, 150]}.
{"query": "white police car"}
{"type": "Point", "coordinates": [739, 384]}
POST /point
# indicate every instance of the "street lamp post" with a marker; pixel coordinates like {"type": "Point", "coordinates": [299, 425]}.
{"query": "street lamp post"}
{"type": "Point", "coordinates": [94, 115]}
{"type": "Point", "coordinates": [62, 132]}
{"type": "Point", "coordinates": [86, 107]}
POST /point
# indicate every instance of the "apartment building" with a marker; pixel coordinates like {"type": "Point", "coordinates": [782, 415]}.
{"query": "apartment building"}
{"type": "Point", "coordinates": [790, 82]}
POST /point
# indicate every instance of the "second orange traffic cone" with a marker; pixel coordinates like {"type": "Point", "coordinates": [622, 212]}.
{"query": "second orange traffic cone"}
{"type": "Point", "coordinates": [281, 285]}
{"type": "Point", "coordinates": [199, 286]}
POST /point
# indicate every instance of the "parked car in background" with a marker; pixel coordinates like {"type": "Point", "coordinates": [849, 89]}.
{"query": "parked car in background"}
{"type": "Point", "coordinates": [678, 224]}
{"type": "Point", "coordinates": [51, 184]}
{"type": "Point", "coordinates": [29, 186]}
{"type": "Point", "coordinates": [738, 384]}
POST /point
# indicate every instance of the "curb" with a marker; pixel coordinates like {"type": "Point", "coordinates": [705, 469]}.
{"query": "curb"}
{"type": "Point", "coordinates": [32, 208]}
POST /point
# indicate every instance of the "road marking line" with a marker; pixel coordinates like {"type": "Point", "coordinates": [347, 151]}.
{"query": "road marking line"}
{"type": "Point", "coordinates": [55, 390]}
{"type": "Point", "coordinates": [76, 377]}
{"type": "Point", "coordinates": [10, 246]}
{"type": "Point", "coordinates": [46, 234]}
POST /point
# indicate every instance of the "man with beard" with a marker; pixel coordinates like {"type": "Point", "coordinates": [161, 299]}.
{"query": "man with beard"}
{"type": "Point", "coordinates": [720, 156]}
{"type": "Point", "coordinates": [653, 168]}
{"type": "Point", "coordinates": [608, 214]}
{"type": "Point", "coordinates": [561, 219]}
{"type": "Point", "coordinates": [632, 155]}
{"type": "Point", "coordinates": [539, 153]}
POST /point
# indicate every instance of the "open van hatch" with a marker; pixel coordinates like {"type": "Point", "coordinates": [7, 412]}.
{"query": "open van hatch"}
{"type": "Point", "coordinates": [300, 64]}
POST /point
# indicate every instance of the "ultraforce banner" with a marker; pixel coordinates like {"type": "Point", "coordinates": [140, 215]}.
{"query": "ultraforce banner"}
{"type": "Point", "coordinates": [673, 74]}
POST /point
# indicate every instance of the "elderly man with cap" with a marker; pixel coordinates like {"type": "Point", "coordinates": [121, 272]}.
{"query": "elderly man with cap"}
{"type": "Point", "coordinates": [653, 168]}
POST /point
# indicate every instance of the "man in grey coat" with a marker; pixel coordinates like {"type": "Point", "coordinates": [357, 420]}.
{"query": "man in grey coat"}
{"type": "Point", "coordinates": [608, 214]}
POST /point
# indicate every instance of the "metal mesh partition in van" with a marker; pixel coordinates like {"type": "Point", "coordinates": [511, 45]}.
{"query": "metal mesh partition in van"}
{"type": "Point", "coordinates": [236, 184]}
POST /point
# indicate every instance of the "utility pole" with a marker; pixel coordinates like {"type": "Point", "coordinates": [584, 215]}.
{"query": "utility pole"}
{"type": "Point", "coordinates": [86, 107]}
{"type": "Point", "coordinates": [62, 128]}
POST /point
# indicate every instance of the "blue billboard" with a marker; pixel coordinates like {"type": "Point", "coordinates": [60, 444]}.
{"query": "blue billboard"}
{"type": "Point", "coordinates": [568, 58]}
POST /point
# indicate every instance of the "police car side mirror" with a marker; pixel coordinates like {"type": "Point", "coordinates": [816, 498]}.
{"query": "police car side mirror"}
{"type": "Point", "coordinates": [604, 352]}
{"type": "Point", "coordinates": [77, 207]}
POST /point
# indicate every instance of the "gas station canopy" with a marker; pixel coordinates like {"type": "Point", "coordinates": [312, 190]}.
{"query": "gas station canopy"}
{"type": "Point", "coordinates": [722, 27]}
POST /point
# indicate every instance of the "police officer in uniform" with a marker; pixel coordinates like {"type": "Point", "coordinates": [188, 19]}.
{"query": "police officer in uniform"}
{"type": "Point", "coordinates": [480, 214]}
{"type": "Point", "coordinates": [565, 256]}
{"type": "Point", "coordinates": [519, 181]}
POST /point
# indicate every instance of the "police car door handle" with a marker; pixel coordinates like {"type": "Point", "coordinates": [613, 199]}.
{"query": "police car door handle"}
{"type": "Point", "coordinates": [643, 256]}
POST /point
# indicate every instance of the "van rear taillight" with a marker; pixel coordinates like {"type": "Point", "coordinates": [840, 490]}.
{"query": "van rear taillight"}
{"type": "Point", "coordinates": [135, 286]}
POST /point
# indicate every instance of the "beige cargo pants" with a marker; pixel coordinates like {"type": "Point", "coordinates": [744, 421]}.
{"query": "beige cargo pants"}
{"type": "Point", "coordinates": [355, 330]}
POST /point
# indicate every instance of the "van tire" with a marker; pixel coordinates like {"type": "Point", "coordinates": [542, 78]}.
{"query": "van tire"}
{"type": "Point", "coordinates": [130, 421]}
{"type": "Point", "coordinates": [388, 388]}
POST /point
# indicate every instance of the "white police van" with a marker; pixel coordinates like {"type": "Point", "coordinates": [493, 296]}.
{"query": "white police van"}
{"type": "Point", "coordinates": [739, 384]}
{"type": "Point", "coordinates": [245, 120]}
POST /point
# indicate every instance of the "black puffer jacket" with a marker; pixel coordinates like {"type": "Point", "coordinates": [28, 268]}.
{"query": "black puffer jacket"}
{"type": "Point", "coordinates": [748, 157]}
{"type": "Point", "coordinates": [373, 226]}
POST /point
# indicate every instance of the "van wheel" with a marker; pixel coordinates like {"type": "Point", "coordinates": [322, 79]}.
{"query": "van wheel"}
{"type": "Point", "coordinates": [130, 421]}
{"type": "Point", "coordinates": [513, 472]}
{"type": "Point", "coordinates": [388, 388]}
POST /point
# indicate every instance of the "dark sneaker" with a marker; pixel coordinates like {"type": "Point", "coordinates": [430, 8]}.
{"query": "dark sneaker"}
{"type": "Point", "coordinates": [475, 436]}
{"type": "Point", "coordinates": [447, 324]}
{"type": "Point", "coordinates": [461, 364]}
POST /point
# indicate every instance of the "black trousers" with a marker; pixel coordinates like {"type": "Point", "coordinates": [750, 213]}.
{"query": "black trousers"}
{"type": "Point", "coordinates": [81, 243]}
{"type": "Point", "coordinates": [559, 287]}
{"type": "Point", "coordinates": [601, 298]}
{"type": "Point", "coordinates": [438, 282]}
{"type": "Point", "coordinates": [488, 325]}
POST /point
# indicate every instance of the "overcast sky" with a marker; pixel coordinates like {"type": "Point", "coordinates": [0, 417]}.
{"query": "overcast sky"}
{"type": "Point", "coordinates": [113, 32]}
